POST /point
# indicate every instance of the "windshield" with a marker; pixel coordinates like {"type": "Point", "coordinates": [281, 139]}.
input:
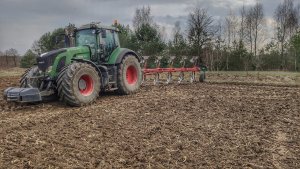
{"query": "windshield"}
{"type": "Point", "coordinates": [86, 37]}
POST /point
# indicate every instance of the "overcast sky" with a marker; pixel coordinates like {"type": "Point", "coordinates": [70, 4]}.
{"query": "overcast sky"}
{"type": "Point", "coordinates": [23, 21]}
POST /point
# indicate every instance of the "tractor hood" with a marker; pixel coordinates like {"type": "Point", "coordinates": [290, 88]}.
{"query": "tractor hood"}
{"type": "Point", "coordinates": [79, 50]}
{"type": "Point", "coordinates": [47, 59]}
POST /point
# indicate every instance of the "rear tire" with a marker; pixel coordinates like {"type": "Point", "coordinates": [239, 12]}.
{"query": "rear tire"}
{"type": "Point", "coordinates": [129, 75]}
{"type": "Point", "coordinates": [78, 84]}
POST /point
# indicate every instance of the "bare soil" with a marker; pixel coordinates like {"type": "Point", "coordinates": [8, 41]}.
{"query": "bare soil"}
{"type": "Point", "coordinates": [201, 125]}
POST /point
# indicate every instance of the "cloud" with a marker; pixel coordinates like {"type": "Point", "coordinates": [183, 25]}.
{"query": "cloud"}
{"type": "Point", "coordinates": [22, 22]}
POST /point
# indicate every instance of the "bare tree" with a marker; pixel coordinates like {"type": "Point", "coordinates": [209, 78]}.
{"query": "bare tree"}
{"type": "Point", "coordinates": [177, 33]}
{"type": "Point", "coordinates": [178, 43]}
{"type": "Point", "coordinates": [6, 57]}
{"type": "Point", "coordinates": [13, 53]}
{"type": "Point", "coordinates": [258, 24]}
{"type": "Point", "coordinates": [298, 16]}
{"type": "Point", "coordinates": [287, 23]}
{"type": "Point", "coordinates": [254, 29]}
{"type": "Point", "coordinates": [200, 28]}
{"type": "Point", "coordinates": [148, 37]}
{"type": "Point", "coordinates": [1, 57]}
{"type": "Point", "coordinates": [242, 35]}
{"type": "Point", "coordinates": [231, 26]}
{"type": "Point", "coordinates": [219, 43]}
{"type": "Point", "coordinates": [142, 17]}
{"type": "Point", "coordinates": [242, 24]}
{"type": "Point", "coordinates": [249, 28]}
{"type": "Point", "coordinates": [293, 20]}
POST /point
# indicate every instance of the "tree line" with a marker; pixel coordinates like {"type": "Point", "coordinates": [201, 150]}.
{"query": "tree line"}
{"type": "Point", "coordinates": [239, 41]}
{"type": "Point", "coordinates": [242, 40]}
{"type": "Point", "coordinates": [9, 58]}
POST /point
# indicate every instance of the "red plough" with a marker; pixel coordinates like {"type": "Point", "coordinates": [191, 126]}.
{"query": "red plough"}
{"type": "Point", "coordinates": [171, 70]}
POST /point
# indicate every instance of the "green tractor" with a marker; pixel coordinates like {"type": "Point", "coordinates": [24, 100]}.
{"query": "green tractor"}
{"type": "Point", "coordinates": [76, 75]}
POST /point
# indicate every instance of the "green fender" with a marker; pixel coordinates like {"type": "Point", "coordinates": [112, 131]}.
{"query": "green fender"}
{"type": "Point", "coordinates": [119, 53]}
{"type": "Point", "coordinates": [81, 52]}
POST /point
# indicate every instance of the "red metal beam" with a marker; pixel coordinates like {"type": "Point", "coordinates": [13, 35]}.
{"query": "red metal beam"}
{"type": "Point", "coordinates": [166, 70]}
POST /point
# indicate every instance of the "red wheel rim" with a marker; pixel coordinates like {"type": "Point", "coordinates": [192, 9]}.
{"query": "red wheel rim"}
{"type": "Point", "coordinates": [131, 75]}
{"type": "Point", "coordinates": [86, 85]}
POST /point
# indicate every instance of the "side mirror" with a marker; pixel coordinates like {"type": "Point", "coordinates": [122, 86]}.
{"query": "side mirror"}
{"type": "Point", "coordinates": [57, 40]}
{"type": "Point", "coordinates": [67, 41]}
{"type": "Point", "coordinates": [62, 38]}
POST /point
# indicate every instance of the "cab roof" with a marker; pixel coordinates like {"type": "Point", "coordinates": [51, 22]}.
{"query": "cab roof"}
{"type": "Point", "coordinates": [97, 26]}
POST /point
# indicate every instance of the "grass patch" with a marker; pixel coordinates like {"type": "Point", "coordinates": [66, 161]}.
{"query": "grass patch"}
{"type": "Point", "coordinates": [268, 77]}
{"type": "Point", "coordinates": [255, 73]}
{"type": "Point", "coordinates": [16, 71]}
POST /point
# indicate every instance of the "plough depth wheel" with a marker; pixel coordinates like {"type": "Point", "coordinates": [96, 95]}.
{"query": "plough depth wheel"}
{"type": "Point", "coordinates": [156, 79]}
{"type": "Point", "coordinates": [202, 77]}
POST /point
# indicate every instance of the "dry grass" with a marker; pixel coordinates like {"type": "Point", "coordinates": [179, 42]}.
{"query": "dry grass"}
{"type": "Point", "coordinates": [16, 71]}
{"type": "Point", "coordinates": [256, 77]}
{"type": "Point", "coordinates": [242, 77]}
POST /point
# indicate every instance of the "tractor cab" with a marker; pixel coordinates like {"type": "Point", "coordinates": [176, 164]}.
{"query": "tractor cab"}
{"type": "Point", "coordinates": [101, 40]}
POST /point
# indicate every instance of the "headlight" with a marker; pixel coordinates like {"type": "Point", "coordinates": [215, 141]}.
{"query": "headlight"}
{"type": "Point", "coordinates": [49, 69]}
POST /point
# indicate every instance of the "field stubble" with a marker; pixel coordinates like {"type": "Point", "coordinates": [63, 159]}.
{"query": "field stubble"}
{"type": "Point", "coordinates": [202, 125]}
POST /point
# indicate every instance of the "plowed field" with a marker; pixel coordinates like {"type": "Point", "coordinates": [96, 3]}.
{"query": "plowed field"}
{"type": "Point", "coordinates": [201, 125]}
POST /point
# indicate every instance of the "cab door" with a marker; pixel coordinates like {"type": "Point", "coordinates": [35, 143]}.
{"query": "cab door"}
{"type": "Point", "coordinates": [108, 43]}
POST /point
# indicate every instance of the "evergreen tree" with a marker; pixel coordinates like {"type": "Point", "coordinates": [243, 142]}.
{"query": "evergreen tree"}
{"type": "Point", "coordinates": [29, 59]}
{"type": "Point", "coordinates": [47, 42]}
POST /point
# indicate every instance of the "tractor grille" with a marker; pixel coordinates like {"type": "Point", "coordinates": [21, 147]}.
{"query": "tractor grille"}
{"type": "Point", "coordinates": [13, 97]}
{"type": "Point", "coordinates": [47, 59]}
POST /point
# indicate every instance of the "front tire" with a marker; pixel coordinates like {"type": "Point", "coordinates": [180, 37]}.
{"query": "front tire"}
{"type": "Point", "coordinates": [129, 75]}
{"type": "Point", "coordinates": [24, 81]}
{"type": "Point", "coordinates": [78, 84]}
